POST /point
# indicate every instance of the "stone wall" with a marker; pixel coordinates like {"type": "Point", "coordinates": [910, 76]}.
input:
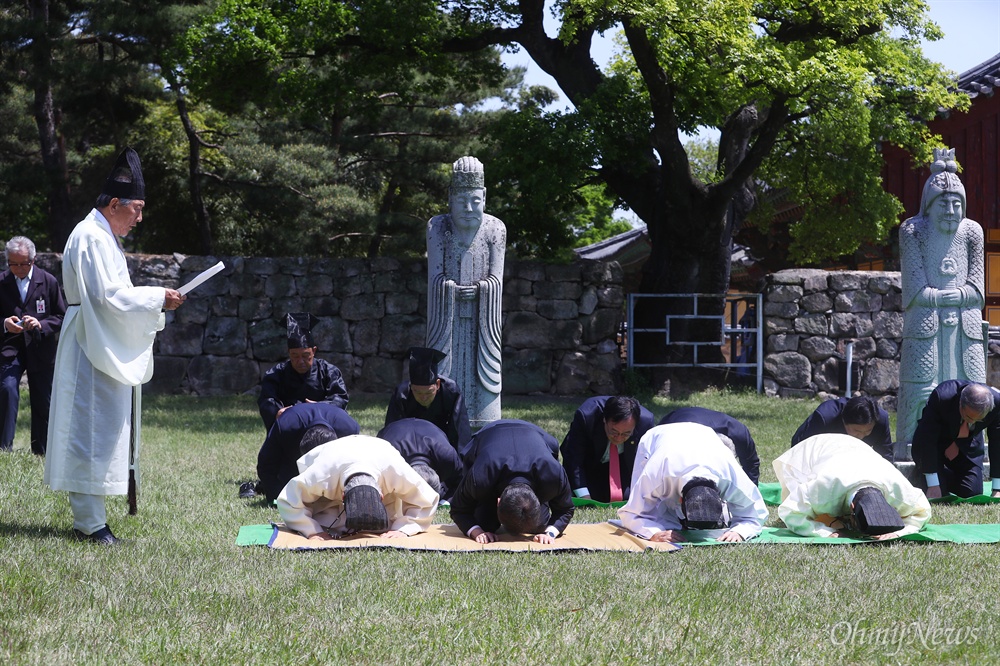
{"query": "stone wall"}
{"type": "Point", "coordinates": [811, 315]}
{"type": "Point", "coordinates": [559, 329]}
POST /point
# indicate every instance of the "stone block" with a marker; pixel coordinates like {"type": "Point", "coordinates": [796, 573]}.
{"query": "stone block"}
{"type": "Point", "coordinates": [602, 325]}
{"type": "Point", "coordinates": [226, 336]}
{"type": "Point", "coordinates": [782, 310]}
{"type": "Point", "coordinates": [352, 285]}
{"type": "Point", "coordinates": [880, 376]}
{"type": "Point", "coordinates": [169, 375]}
{"type": "Point", "coordinates": [782, 342]}
{"type": "Point", "coordinates": [193, 311]}
{"type": "Point", "coordinates": [588, 301]}
{"type": "Point", "coordinates": [864, 348]}
{"type": "Point", "coordinates": [400, 332]}
{"type": "Point", "coordinates": [268, 340]}
{"type": "Point", "coordinates": [224, 306]}
{"type": "Point", "coordinates": [789, 369]}
{"type": "Point", "coordinates": [517, 287]}
{"type": "Point", "coordinates": [784, 294]}
{"type": "Point", "coordinates": [222, 375]}
{"type": "Point", "coordinates": [180, 339]}
{"type": "Point", "coordinates": [886, 348]}
{"type": "Point", "coordinates": [379, 375]}
{"type": "Point", "coordinates": [246, 285]}
{"type": "Point", "coordinates": [892, 302]}
{"type": "Point", "coordinates": [514, 303]}
{"type": "Point", "coordinates": [777, 326]}
{"type": "Point", "coordinates": [279, 285]}
{"type": "Point", "coordinates": [817, 348]}
{"type": "Point", "coordinates": [888, 325]}
{"type": "Point", "coordinates": [572, 375]}
{"type": "Point", "coordinates": [848, 325]}
{"type": "Point", "coordinates": [816, 302]}
{"type": "Point", "coordinates": [260, 266]}
{"type": "Point", "coordinates": [282, 306]}
{"type": "Point", "coordinates": [389, 282]}
{"type": "Point", "coordinates": [883, 283]}
{"type": "Point", "coordinates": [812, 325]}
{"type": "Point", "coordinates": [527, 371]}
{"type": "Point", "coordinates": [848, 280]}
{"type": "Point", "coordinates": [610, 297]}
{"type": "Point", "coordinates": [365, 336]}
{"type": "Point", "coordinates": [557, 290]}
{"type": "Point", "coordinates": [557, 309]}
{"type": "Point", "coordinates": [826, 375]}
{"type": "Point", "coordinates": [563, 273]}
{"type": "Point", "coordinates": [332, 334]}
{"type": "Point", "coordinates": [527, 330]}
{"type": "Point", "coordinates": [385, 265]}
{"type": "Point", "coordinates": [401, 303]}
{"type": "Point", "coordinates": [314, 285]}
{"type": "Point", "coordinates": [362, 307]}
{"type": "Point", "coordinates": [252, 309]}
{"type": "Point", "coordinates": [321, 306]}
{"type": "Point", "coordinates": [857, 301]}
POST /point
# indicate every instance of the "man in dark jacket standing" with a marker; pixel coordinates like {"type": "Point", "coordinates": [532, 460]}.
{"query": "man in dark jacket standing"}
{"type": "Point", "coordinates": [32, 307]}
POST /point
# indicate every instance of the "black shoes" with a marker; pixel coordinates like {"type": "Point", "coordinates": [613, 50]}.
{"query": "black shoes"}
{"type": "Point", "coordinates": [102, 537]}
{"type": "Point", "coordinates": [248, 490]}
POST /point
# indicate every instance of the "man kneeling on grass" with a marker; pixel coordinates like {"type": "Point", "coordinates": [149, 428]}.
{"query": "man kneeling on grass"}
{"type": "Point", "coordinates": [834, 482]}
{"type": "Point", "coordinates": [512, 478]}
{"type": "Point", "coordinates": [356, 484]}
{"type": "Point", "coordinates": [691, 482]}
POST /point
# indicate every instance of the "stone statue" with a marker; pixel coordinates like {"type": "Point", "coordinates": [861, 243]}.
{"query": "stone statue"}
{"type": "Point", "coordinates": [465, 252]}
{"type": "Point", "coordinates": [941, 256]}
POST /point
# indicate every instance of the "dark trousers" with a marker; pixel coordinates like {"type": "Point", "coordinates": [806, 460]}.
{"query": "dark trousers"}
{"type": "Point", "coordinates": [39, 394]}
{"type": "Point", "coordinates": [962, 476]}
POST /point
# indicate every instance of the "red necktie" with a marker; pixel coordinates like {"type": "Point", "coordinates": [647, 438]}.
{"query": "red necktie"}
{"type": "Point", "coordinates": [614, 474]}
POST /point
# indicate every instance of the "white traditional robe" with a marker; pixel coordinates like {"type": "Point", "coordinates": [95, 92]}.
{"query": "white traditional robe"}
{"type": "Point", "coordinates": [105, 348]}
{"type": "Point", "coordinates": [675, 456]}
{"type": "Point", "coordinates": [314, 500]}
{"type": "Point", "coordinates": [820, 475]}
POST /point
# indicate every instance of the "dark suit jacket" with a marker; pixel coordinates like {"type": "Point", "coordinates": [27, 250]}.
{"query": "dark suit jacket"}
{"type": "Point", "coordinates": [282, 386]}
{"type": "Point", "coordinates": [447, 411]}
{"type": "Point", "coordinates": [939, 425]}
{"type": "Point", "coordinates": [826, 420]}
{"type": "Point", "coordinates": [723, 424]}
{"type": "Point", "coordinates": [36, 349]}
{"type": "Point", "coordinates": [280, 451]}
{"type": "Point", "coordinates": [586, 442]}
{"type": "Point", "coordinates": [421, 442]}
{"type": "Point", "coordinates": [505, 452]}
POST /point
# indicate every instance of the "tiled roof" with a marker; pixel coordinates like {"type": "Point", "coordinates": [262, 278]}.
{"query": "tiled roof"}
{"type": "Point", "coordinates": [981, 79]}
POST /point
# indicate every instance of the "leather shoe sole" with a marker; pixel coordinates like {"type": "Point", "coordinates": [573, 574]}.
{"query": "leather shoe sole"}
{"type": "Point", "coordinates": [103, 537]}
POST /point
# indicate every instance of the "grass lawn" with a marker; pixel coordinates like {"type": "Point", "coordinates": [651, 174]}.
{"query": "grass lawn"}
{"type": "Point", "coordinates": [180, 591]}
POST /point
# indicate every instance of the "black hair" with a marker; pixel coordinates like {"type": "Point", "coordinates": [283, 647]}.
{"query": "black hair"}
{"type": "Point", "coordinates": [519, 509]}
{"type": "Point", "coordinates": [315, 436]}
{"type": "Point", "coordinates": [860, 410]}
{"type": "Point", "coordinates": [621, 408]}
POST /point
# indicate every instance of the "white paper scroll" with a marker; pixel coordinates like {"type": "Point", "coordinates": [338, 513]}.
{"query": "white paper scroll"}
{"type": "Point", "coordinates": [202, 277]}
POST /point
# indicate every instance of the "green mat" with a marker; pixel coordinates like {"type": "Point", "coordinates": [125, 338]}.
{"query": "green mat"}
{"type": "Point", "coordinates": [772, 496]}
{"type": "Point", "coordinates": [261, 535]}
{"type": "Point", "coordinates": [580, 501]}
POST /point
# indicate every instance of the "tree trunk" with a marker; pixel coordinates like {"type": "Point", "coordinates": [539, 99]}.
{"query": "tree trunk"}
{"type": "Point", "coordinates": [53, 150]}
{"type": "Point", "coordinates": [203, 220]}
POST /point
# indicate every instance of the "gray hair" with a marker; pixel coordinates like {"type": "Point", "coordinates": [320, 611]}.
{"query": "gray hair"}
{"type": "Point", "coordinates": [104, 200]}
{"type": "Point", "coordinates": [976, 398]}
{"type": "Point", "coordinates": [728, 442]}
{"type": "Point", "coordinates": [20, 244]}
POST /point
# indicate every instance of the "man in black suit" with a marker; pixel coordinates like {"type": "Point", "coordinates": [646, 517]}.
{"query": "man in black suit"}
{"type": "Point", "coordinates": [424, 445]}
{"type": "Point", "coordinates": [860, 417]}
{"type": "Point", "coordinates": [723, 425]}
{"type": "Point", "coordinates": [512, 478]}
{"type": "Point", "coordinates": [603, 436]}
{"type": "Point", "coordinates": [948, 445]}
{"type": "Point", "coordinates": [32, 306]}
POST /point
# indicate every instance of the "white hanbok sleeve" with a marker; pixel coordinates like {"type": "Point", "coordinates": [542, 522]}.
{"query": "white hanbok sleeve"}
{"type": "Point", "coordinates": [415, 503]}
{"type": "Point", "coordinates": [295, 499]}
{"type": "Point", "coordinates": [642, 514]}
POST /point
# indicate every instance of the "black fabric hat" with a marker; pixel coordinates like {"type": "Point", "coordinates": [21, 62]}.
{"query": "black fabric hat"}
{"type": "Point", "coordinates": [702, 504]}
{"type": "Point", "coordinates": [125, 180]}
{"type": "Point", "coordinates": [423, 365]}
{"type": "Point", "coordinates": [363, 505]}
{"type": "Point", "coordinates": [874, 515]}
{"type": "Point", "coordinates": [299, 325]}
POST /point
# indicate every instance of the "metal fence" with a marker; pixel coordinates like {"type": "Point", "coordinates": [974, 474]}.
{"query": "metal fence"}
{"type": "Point", "coordinates": [740, 320]}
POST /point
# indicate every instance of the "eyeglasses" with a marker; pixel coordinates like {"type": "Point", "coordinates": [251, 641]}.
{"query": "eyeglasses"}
{"type": "Point", "coordinates": [19, 265]}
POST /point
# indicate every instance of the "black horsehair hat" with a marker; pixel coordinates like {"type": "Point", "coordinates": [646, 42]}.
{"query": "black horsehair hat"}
{"type": "Point", "coordinates": [423, 365]}
{"type": "Point", "coordinates": [125, 180]}
{"type": "Point", "coordinates": [874, 514]}
{"type": "Point", "coordinates": [299, 328]}
{"type": "Point", "coordinates": [363, 505]}
{"type": "Point", "coordinates": [702, 504]}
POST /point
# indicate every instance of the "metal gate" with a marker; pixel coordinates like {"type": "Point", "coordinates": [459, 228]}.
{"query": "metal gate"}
{"type": "Point", "coordinates": [741, 322]}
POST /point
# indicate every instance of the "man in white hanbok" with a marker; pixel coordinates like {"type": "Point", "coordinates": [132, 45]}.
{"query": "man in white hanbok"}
{"type": "Point", "coordinates": [672, 461]}
{"type": "Point", "coordinates": [105, 349]}
{"type": "Point", "coordinates": [317, 502]}
{"type": "Point", "coordinates": [821, 475]}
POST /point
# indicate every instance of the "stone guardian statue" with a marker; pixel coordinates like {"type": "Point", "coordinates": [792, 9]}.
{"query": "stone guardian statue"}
{"type": "Point", "coordinates": [941, 257]}
{"type": "Point", "coordinates": [465, 252]}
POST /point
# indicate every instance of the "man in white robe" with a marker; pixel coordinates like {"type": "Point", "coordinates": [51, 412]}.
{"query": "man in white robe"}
{"type": "Point", "coordinates": [820, 476]}
{"type": "Point", "coordinates": [105, 349]}
{"type": "Point", "coordinates": [670, 458]}
{"type": "Point", "coordinates": [313, 503]}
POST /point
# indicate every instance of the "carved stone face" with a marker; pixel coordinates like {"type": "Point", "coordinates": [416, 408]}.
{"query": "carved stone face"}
{"type": "Point", "coordinates": [946, 212]}
{"type": "Point", "coordinates": [466, 206]}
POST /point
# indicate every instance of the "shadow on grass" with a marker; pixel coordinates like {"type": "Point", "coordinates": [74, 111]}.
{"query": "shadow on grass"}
{"type": "Point", "coordinates": [35, 531]}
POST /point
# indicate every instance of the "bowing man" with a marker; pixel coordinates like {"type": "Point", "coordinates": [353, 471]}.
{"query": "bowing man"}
{"type": "Point", "coordinates": [859, 417]}
{"type": "Point", "coordinates": [277, 461]}
{"type": "Point", "coordinates": [599, 449]}
{"type": "Point", "coordinates": [724, 425]}
{"type": "Point", "coordinates": [830, 481]}
{"type": "Point", "coordinates": [426, 448]}
{"type": "Point", "coordinates": [512, 479]}
{"type": "Point", "coordinates": [353, 484]}
{"type": "Point", "coordinates": [690, 482]}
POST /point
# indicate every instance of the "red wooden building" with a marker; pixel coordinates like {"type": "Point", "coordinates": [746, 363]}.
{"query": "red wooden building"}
{"type": "Point", "coordinates": [974, 136]}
